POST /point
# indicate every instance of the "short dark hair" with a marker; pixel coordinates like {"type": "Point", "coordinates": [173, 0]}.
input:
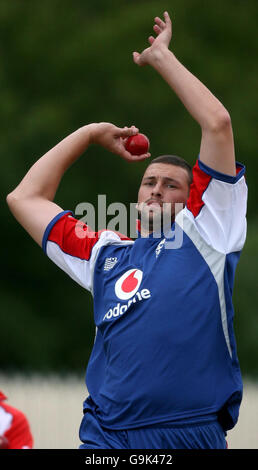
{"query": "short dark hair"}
{"type": "Point", "coordinates": [177, 161]}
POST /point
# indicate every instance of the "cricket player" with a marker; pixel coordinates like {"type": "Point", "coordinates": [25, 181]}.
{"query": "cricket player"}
{"type": "Point", "coordinates": [15, 432]}
{"type": "Point", "coordinates": [164, 372]}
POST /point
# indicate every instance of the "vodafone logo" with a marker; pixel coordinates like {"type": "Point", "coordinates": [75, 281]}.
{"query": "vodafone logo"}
{"type": "Point", "coordinates": [128, 284]}
{"type": "Point", "coordinates": [127, 288]}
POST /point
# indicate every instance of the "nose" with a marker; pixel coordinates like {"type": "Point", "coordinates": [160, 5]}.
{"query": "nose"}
{"type": "Point", "coordinates": [156, 190]}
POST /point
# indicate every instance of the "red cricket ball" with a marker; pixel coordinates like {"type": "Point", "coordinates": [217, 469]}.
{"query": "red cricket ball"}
{"type": "Point", "coordinates": [137, 144]}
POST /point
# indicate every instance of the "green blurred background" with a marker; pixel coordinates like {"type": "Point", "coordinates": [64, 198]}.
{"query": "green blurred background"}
{"type": "Point", "coordinates": [67, 63]}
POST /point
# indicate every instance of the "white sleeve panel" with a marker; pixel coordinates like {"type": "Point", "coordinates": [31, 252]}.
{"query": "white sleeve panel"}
{"type": "Point", "coordinates": [79, 269]}
{"type": "Point", "coordinates": [74, 248]}
{"type": "Point", "coordinates": [217, 204]}
{"type": "Point", "coordinates": [222, 219]}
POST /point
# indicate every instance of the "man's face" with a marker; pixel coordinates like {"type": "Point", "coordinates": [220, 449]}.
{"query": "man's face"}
{"type": "Point", "coordinates": [161, 183]}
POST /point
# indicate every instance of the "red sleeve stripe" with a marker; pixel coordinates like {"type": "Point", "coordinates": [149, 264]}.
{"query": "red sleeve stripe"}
{"type": "Point", "coordinates": [199, 185]}
{"type": "Point", "coordinates": [238, 168]}
{"type": "Point", "coordinates": [73, 237]}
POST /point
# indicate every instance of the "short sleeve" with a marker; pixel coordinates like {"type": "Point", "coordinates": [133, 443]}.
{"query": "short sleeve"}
{"type": "Point", "coordinates": [74, 247]}
{"type": "Point", "coordinates": [217, 205]}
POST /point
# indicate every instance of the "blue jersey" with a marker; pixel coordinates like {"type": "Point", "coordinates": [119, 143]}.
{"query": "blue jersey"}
{"type": "Point", "coordinates": [164, 348]}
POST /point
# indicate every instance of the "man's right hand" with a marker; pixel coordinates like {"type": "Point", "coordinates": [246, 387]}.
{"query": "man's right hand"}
{"type": "Point", "coordinates": [112, 138]}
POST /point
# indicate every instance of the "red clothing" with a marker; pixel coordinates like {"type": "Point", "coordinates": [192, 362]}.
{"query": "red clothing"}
{"type": "Point", "coordinates": [15, 430]}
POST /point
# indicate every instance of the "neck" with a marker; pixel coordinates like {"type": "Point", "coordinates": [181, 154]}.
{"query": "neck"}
{"type": "Point", "coordinates": [147, 227]}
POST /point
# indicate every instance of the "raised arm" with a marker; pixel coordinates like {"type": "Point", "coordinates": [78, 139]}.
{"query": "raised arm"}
{"type": "Point", "coordinates": [32, 201]}
{"type": "Point", "coordinates": [217, 144]}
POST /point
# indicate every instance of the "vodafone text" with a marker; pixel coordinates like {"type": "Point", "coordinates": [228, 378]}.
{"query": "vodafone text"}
{"type": "Point", "coordinates": [121, 309]}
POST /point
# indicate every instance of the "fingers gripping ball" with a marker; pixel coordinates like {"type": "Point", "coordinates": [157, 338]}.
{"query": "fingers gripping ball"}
{"type": "Point", "coordinates": [137, 144]}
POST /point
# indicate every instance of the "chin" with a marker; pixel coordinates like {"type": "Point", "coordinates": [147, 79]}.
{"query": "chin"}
{"type": "Point", "coordinates": [152, 221]}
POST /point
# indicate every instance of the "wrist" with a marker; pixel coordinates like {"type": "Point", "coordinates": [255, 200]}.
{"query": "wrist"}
{"type": "Point", "coordinates": [90, 132]}
{"type": "Point", "coordinates": [160, 55]}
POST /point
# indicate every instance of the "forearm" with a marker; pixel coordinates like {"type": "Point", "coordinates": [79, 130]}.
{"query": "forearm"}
{"type": "Point", "coordinates": [31, 202]}
{"type": "Point", "coordinates": [203, 106]}
{"type": "Point", "coordinates": [43, 178]}
{"type": "Point", "coordinates": [217, 143]}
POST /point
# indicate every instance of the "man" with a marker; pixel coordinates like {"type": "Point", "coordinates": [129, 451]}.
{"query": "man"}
{"type": "Point", "coordinates": [163, 371]}
{"type": "Point", "coordinates": [15, 430]}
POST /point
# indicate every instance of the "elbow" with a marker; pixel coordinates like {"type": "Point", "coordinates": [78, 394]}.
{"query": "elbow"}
{"type": "Point", "coordinates": [11, 199]}
{"type": "Point", "coordinates": [220, 122]}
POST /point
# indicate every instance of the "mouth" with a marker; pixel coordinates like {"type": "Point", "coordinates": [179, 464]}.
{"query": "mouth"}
{"type": "Point", "coordinates": [155, 203]}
